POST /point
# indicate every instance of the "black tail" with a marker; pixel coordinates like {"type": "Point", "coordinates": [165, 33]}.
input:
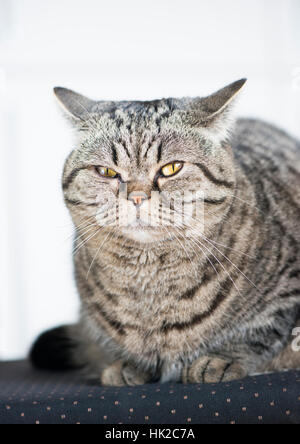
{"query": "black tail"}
{"type": "Point", "coordinates": [55, 350]}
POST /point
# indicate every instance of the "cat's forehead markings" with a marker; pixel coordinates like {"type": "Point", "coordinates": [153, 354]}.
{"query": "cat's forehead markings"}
{"type": "Point", "coordinates": [133, 132]}
{"type": "Point", "coordinates": [140, 142]}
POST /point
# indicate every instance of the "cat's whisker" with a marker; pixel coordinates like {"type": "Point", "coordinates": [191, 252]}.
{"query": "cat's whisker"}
{"type": "Point", "coordinates": [84, 233]}
{"type": "Point", "coordinates": [232, 249]}
{"type": "Point", "coordinates": [87, 223]}
{"type": "Point", "coordinates": [222, 266]}
{"type": "Point", "coordinates": [219, 244]}
{"type": "Point", "coordinates": [187, 254]}
{"type": "Point", "coordinates": [81, 231]}
{"type": "Point", "coordinates": [195, 241]}
{"type": "Point", "coordinates": [101, 227]}
{"type": "Point", "coordinates": [235, 266]}
{"type": "Point", "coordinates": [78, 247]}
{"type": "Point", "coordinates": [99, 212]}
{"type": "Point", "coordinates": [110, 234]}
{"type": "Point", "coordinates": [225, 257]}
{"type": "Point", "coordinates": [86, 240]}
{"type": "Point", "coordinates": [245, 202]}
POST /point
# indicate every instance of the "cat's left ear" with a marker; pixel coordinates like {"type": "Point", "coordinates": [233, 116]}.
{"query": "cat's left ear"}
{"type": "Point", "coordinates": [75, 105]}
{"type": "Point", "coordinates": [215, 111]}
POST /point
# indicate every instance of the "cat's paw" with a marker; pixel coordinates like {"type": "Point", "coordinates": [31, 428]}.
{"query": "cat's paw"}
{"type": "Point", "coordinates": [121, 374]}
{"type": "Point", "coordinates": [212, 370]}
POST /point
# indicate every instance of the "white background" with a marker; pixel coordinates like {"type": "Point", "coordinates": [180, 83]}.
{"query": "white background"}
{"type": "Point", "coordinates": [114, 49]}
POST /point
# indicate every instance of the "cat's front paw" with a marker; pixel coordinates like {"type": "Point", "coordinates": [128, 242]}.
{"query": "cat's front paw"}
{"type": "Point", "coordinates": [213, 370]}
{"type": "Point", "coordinates": [121, 374]}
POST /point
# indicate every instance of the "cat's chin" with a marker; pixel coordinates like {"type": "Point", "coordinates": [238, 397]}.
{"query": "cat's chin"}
{"type": "Point", "coordinates": [143, 234]}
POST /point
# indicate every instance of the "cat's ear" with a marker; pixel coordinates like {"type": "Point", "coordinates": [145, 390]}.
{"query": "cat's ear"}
{"type": "Point", "coordinates": [215, 111]}
{"type": "Point", "coordinates": [75, 105]}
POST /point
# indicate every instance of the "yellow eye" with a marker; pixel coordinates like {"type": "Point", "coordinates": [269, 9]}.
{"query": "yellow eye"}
{"type": "Point", "coordinates": [107, 172]}
{"type": "Point", "coordinates": [171, 169]}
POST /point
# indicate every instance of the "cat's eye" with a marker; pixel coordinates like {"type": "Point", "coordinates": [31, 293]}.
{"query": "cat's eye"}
{"type": "Point", "coordinates": [107, 172]}
{"type": "Point", "coordinates": [171, 169]}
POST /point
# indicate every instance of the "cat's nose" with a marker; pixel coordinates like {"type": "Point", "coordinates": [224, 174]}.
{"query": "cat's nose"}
{"type": "Point", "coordinates": [137, 198]}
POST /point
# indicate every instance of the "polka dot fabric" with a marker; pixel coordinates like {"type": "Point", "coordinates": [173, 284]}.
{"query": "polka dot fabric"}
{"type": "Point", "coordinates": [31, 397]}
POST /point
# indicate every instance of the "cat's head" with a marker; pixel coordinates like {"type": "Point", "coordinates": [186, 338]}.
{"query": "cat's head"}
{"type": "Point", "coordinates": [148, 171]}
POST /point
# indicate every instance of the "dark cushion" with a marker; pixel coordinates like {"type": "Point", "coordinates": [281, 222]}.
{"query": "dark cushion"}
{"type": "Point", "coordinates": [28, 396]}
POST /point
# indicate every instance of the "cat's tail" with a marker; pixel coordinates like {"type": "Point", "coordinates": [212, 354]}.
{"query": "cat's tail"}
{"type": "Point", "coordinates": [57, 349]}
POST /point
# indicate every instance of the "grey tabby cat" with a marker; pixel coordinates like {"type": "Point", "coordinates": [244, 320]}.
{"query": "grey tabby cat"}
{"type": "Point", "coordinates": [173, 301]}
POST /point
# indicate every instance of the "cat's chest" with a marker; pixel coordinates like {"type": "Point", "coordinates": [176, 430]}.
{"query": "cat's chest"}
{"type": "Point", "coordinates": [144, 307]}
{"type": "Point", "coordinates": [147, 274]}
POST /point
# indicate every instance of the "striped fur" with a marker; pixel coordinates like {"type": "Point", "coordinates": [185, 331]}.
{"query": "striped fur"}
{"type": "Point", "coordinates": [175, 304]}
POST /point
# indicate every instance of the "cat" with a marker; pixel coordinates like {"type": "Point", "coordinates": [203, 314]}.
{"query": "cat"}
{"type": "Point", "coordinates": [203, 299]}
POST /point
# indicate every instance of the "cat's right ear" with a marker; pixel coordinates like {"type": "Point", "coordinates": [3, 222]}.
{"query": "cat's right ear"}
{"type": "Point", "coordinates": [76, 106]}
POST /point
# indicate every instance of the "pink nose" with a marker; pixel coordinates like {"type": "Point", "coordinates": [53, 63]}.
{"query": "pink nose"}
{"type": "Point", "coordinates": [137, 198]}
